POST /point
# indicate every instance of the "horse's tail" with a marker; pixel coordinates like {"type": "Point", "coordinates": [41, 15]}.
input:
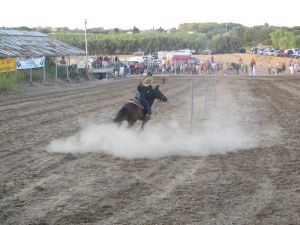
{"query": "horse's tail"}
{"type": "Point", "coordinates": [120, 115]}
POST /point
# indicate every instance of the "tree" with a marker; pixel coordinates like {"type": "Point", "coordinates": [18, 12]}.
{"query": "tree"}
{"type": "Point", "coordinates": [173, 30]}
{"type": "Point", "coordinates": [161, 30]}
{"type": "Point", "coordinates": [62, 29]}
{"type": "Point", "coordinates": [282, 38]}
{"type": "Point", "coordinates": [116, 30]}
{"type": "Point", "coordinates": [225, 43]}
{"type": "Point", "coordinates": [23, 28]}
{"type": "Point", "coordinates": [135, 30]}
{"type": "Point", "coordinates": [297, 41]}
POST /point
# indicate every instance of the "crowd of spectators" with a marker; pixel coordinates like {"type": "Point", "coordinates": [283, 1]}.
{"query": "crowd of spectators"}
{"type": "Point", "coordinates": [199, 67]}
{"type": "Point", "coordinates": [102, 61]}
{"type": "Point", "coordinates": [281, 68]}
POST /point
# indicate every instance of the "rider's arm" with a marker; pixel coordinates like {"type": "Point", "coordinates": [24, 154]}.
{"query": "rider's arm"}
{"type": "Point", "coordinates": [142, 89]}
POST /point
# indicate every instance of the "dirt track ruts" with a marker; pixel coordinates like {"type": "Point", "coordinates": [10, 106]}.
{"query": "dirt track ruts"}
{"type": "Point", "coordinates": [256, 186]}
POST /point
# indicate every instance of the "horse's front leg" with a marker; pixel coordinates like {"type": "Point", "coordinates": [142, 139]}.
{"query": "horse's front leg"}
{"type": "Point", "coordinates": [144, 123]}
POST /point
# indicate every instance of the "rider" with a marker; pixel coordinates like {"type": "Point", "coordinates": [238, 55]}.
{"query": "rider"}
{"type": "Point", "coordinates": [144, 88]}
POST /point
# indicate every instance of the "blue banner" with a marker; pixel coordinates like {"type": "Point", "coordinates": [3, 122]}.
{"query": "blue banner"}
{"type": "Point", "coordinates": [30, 63]}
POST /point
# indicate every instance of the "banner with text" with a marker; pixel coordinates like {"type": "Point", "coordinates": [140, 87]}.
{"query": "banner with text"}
{"type": "Point", "coordinates": [7, 65]}
{"type": "Point", "coordinates": [30, 63]}
{"type": "Point", "coordinates": [81, 64]}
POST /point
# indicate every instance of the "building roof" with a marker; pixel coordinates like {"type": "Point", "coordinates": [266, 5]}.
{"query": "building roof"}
{"type": "Point", "coordinates": [14, 43]}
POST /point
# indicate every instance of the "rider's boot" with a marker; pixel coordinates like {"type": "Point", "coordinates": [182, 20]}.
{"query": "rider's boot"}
{"type": "Point", "coordinates": [147, 113]}
{"type": "Point", "coordinates": [147, 116]}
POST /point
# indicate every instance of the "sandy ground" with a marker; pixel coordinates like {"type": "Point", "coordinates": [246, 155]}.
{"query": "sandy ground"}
{"type": "Point", "coordinates": [256, 184]}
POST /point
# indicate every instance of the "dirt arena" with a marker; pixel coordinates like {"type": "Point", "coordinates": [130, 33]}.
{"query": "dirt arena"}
{"type": "Point", "coordinates": [244, 170]}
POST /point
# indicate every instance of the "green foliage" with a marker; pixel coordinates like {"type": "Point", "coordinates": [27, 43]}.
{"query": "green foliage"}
{"type": "Point", "coordinates": [7, 82]}
{"type": "Point", "coordinates": [209, 28]}
{"type": "Point", "coordinates": [297, 40]}
{"type": "Point", "coordinates": [226, 43]}
{"type": "Point", "coordinates": [201, 36]}
{"type": "Point", "coordinates": [282, 38]}
{"type": "Point", "coordinates": [125, 43]}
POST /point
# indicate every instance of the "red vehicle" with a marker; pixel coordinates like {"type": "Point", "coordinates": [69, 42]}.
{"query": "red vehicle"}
{"type": "Point", "coordinates": [180, 58]}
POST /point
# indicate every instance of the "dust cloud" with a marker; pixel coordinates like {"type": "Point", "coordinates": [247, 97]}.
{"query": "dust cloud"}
{"type": "Point", "coordinates": [156, 141]}
{"type": "Point", "coordinates": [224, 129]}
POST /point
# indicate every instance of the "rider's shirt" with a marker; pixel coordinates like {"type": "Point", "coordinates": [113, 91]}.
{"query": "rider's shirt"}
{"type": "Point", "coordinates": [144, 90]}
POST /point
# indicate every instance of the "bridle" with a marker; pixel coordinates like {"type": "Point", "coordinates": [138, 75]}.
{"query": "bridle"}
{"type": "Point", "coordinates": [159, 100]}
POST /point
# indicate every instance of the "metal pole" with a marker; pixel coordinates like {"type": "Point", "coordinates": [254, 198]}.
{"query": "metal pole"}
{"type": "Point", "coordinates": [192, 105]}
{"type": "Point", "coordinates": [86, 47]}
{"type": "Point", "coordinates": [30, 75]}
{"type": "Point", "coordinates": [77, 72]}
{"type": "Point", "coordinates": [44, 71]}
{"type": "Point", "coordinates": [68, 78]}
{"type": "Point", "coordinates": [205, 95]}
{"type": "Point", "coordinates": [175, 67]}
{"type": "Point", "coordinates": [16, 76]}
{"type": "Point", "coordinates": [215, 89]}
{"type": "Point", "coordinates": [55, 71]}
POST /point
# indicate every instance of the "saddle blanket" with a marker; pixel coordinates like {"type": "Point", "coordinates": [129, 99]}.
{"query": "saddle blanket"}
{"type": "Point", "coordinates": [136, 102]}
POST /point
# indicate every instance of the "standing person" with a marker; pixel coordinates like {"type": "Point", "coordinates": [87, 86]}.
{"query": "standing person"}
{"type": "Point", "coordinates": [283, 67]}
{"type": "Point", "coordinates": [144, 89]}
{"type": "Point", "coordinates": [269, 66]}
{"type": "Point", "coordinates": [278, 68]}
{"type": "Point", "coordinates": [98, 63]}
{"type": "Point", "coordinates": [291, 67]}
{"type": "Point", "coordinates": [296, 67]}
{"type": "Point", "coordinates": [241, 65]}
{"type": "Point", "coordinates": [253, 67]}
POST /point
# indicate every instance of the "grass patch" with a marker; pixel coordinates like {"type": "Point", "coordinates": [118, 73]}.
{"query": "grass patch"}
{"type": "Point", "coordinates": [7, 82]}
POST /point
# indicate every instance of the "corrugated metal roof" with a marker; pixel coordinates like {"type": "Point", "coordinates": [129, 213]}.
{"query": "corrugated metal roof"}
{"type": "Point", "coordinates": [14, 43]}
{"type": "Point", "coordinates": [22, 33]}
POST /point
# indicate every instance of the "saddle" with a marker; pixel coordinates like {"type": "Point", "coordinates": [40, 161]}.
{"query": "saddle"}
{"type": "Point", "coordinates": [137, 102]}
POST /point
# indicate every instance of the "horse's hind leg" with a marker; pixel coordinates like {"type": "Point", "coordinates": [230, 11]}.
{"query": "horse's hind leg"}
{"type": "Point", "coordinates": [130, 124]}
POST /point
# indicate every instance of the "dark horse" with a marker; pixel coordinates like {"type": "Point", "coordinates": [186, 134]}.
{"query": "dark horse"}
{"type": "Point", "coordinates": [132, 112]}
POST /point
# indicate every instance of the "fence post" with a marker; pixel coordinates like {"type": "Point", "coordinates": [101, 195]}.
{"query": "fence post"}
{"type": "Point", "coordinates": [205, 95]}
{"type": "Point", "coordinates": [68, 78]}
{"type": "Point", "coordinates": [192, 105]}
{"type": "Point", "coordinates": [44, 71]}
{"type": "Point", "coordinates": [215, 89]}
{"type": "Point", "coordinates": [30, 75]}
{"type": "Point", "coordinates": [77, 72]}
{"type": "Point", "coordinates": [16, 76]}
{"type": "Point", "coordinates": [55, 71]}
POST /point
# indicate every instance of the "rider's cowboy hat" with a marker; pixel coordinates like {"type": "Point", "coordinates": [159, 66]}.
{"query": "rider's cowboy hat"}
{"type": "Point", "coordinates": [147, 81]}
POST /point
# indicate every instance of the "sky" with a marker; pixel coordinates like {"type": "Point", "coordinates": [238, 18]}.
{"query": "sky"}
{"type": "Point", "coordinates": [146, 14]}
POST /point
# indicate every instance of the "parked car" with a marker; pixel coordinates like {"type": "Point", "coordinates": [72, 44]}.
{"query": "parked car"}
{"type": "Point", "coordinates": [139, 53]}
{"type": "Point", "coordinates": [260, 51]}
{"type": "Point", "coordinates": [254, 50]}
{"type": "Point", "coordinates": [296, 52]}
{"type": "Point", "coordinates": [278, 52]}
{"type": "Point", "coordinates": [242, 50]}
{"type": "Point", "coordinates": [268, 51]}
{"type": "Point", "coordinates": [193, 60]}
{"type": "Point", "coordinates": [154, 55]}
{"type": "Point", "coordinates": [187, 50]}
{"type": "Point", "coordinates": [158, 61]}
{"type": "Point", "coordinates": [206, 52]}
{"type": "Point", "coordinates": [288, 53]}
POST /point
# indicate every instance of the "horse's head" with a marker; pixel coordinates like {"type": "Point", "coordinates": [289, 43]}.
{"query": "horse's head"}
{"type": "Point", "coordinates": [158, 94]}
